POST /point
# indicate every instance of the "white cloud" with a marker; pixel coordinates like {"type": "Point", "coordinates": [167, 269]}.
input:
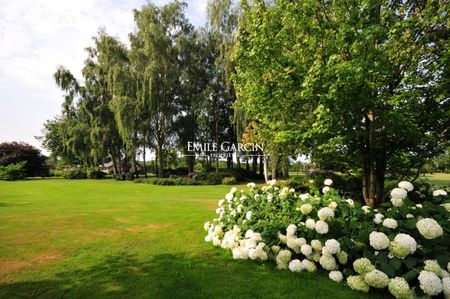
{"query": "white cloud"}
{"type": "Point", "coordinates": [36, 36]}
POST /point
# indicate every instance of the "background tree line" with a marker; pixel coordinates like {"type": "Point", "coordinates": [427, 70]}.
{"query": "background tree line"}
{"type": "Point", "coordinates": [167, 88]}
{"type": "Point", "coordinates": [359, 86]}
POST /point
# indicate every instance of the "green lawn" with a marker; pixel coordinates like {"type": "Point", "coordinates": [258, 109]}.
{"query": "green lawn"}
{"type": "Point", "coordinates": [97, 239]}
{"type": "Point", "coordinates": [439, 179]}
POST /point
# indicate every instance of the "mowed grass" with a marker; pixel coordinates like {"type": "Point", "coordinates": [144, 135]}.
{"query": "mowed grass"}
{"type": "Point", "coordinates": [107, 239]}
{"type": "Point", "coordinates": [439, 179]}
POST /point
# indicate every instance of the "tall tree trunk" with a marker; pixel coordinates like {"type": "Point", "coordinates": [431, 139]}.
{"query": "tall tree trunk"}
{"type": "Point", "coordinates": [159, 153]}
{"type": "Point", "coordinates": [254, 162]}
{"type": "Point", "coordinates": [274, 166]}
{"type": "Point", "coordinates": [266, 175]}
{"type": "Point", "coordinates": [145, 166]}
{"type": "Point", "coordinates": [261, 164]}
{"type": "Point", "coordinates": [247, 165]}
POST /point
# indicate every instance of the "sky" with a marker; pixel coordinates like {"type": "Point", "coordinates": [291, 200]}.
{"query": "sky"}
{"type": "Point", "coordinates": [38, 35]}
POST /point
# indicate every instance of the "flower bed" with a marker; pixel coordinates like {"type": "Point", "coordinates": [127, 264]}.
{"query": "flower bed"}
{"type": "Point", "coordinates": [402, 245]}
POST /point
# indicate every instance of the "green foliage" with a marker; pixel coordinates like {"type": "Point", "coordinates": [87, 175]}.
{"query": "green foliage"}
{"type": "Point", "coordinates": [168, 181]}
{"type": "Point", "coordinates": [16, 152]}
{"type": "Point", "coordinates": [94, 173]}
{"type": "Point", "coordinates": [12, 172]}
{"type": "Point", "coordinates": [75, 174]}
{"type": "Point", "coordinates": [366, 83]}
{"type": "Point", "coordinates": [229, 180]}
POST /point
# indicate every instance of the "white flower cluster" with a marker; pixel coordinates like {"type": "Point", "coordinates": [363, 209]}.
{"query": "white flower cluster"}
{"type": "Point", "coordinates": [429, 228]}
{"type": "Point", "coordinates": [313, 241]}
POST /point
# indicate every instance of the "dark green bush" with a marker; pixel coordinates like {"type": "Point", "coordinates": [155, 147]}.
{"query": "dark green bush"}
{"type": "Point", "coordinates": [13, 172]}
{"type": "Point", "coordinates": [229, 180]}
{"type": "Point", "coordinates": [94, 173]}
{"type": "Point", "coordinates": [168, 181]}
{"type": "Point", "coordinates": [75, 174]}
{"type": "Point", "coordinates": [215, 178]}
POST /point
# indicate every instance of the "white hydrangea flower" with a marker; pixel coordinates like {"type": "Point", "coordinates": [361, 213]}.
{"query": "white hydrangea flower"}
{"type": "Point", "coordinates": [366, 209]}
{"type": "Point", "coordinates": [409, 216]}
{"type": "Point", "coordinates": [429, 228]}
{"type": "Point", "coordinates": [336, 276]}
{"type": "Point", "coordinates": [272, 182]}
{"type": "Point", "coordinates": [291, 229]}
{"type": "Point", "coordinates": [333, 246]}
{"type": "Point", "coordinates": [406, 185]}
{"type": "Point", "coordinates": [304, 196]}
{"type": "Point", "coordinates": [390, 223]}
{"type": "Point", "coordinates": [309, 266]}
{"type": "Point", "coordinates": [356, 282]}
{"type": "Point", "coordinates": [446, 287]}
{"type": "Point", "coordinates": [433, 266]}
{"type": "Point", "coordinates": [310, 223]}
{"type": "Point", "coordinates": [446, 206]}
{"type": "Point", "coordinates": [430, 283]}
{"type": "Point", "coordinates": [233, 190]}
{"type": "Point", "coordinates": [399, 288]}
{"type": "Point", "coordinates": [328, 262]}
{"type": "Point", "coordinates": [325, 213]}
{"type": "Point", "coordinates": [399, 193]}
{"type": "Point", "coordinates": [306, 208]}
{"type": "Point", "coordinates": [378, 218]}
{"type": "Point", "coordinates": [292, 243]}
{"type": "Point", "coordinates": [248, 215]}
{"type": "Point", "coordinates": [350, 202]}
{"type": "Point", "coordinates": [376, 279]}
{"type": "Point", "coordinates": [321, 227]}
{"type": "Point", "coordinates": [306, 249]}
{"type": "Point", "coordinates": [333, 205]}
{"type": "Point", "coordinates": [439, 192]}
{"type": "Point", "coordinates": [316, 245]}
{"type": "Point", "coordinates": [284, 191]}
{"type": "Point", "coordinates": [378, 240]}
{"type": "Point", "coordinates": [419, 205]}
{"type": "Point", "coordinates": [229, 196]}
{"type": "Point", "coordinates": [328, 182]}
{"type": "Point", "coordinates": [275, 249]}
{"type": "Point", "coordinates": [251, 185]}
{"type": "Point", "coordinates": [206, 225]}
{"type": "Point", "coordinates": [325, 189]}
{"type": "Point", "coordinates": [363, 266]}
{"type": "Point", "coordinates": [221, 202]}
{"type": "Point", "coordinates": [240, 253]}
{"type": "Point", "coordinates": [283, 258]}
{"type": "Point", "coordinates": [397, 202]}
{"type": "Point", "coordinates": [342, 257]}
{"type": "Point", "coordinates": [296, 266]}
{"type": "Point", "coordinates": [406, 241]}
{"type": "Point", "coordinates": [269, 197]}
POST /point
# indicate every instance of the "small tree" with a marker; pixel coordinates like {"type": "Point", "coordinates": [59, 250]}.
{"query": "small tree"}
{"type": "Point", "coordinates": [16, 152]}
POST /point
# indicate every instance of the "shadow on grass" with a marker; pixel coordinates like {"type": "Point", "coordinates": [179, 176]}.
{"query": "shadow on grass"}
{"type": "Point", "coordinates": [180, 276]}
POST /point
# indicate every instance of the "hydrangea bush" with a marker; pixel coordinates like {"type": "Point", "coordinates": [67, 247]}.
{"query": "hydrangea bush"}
{"type": "Point", "coordinates": [402, 245]}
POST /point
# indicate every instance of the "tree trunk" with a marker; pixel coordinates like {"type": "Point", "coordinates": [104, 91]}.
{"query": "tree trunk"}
{"type": "Point", "coordinates": [266, 175]}
{"type": "Point", "coordinates": [274, 166]}
{"type": "Point", "coordinates": [145, 166]}
{"type": "Point", "coordinates": [254, 162]}
{"type": "Point", "coordinates": [261, 164]}
{"type": "Point", "coordinates": [160, 166]}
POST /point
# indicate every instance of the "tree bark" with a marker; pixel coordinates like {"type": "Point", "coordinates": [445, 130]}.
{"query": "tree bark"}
{"type": "Point", "coordinates": [145, 166]}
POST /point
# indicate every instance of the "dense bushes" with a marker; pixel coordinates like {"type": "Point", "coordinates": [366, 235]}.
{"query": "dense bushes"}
{"type": "Point", "coordinates": [16, 152]}
{"type": "Point", "coordinates": [229, 180]}
{"type": "Point", "coordinates": [75, 174]}
{"type": "Point", "coordinates": [168, 181]}
{"type": "Point", "coordinates": [13, 172]}
{"type": "Point", "coordinates": [401, 246]}
{"type": "Point", "coordinates": [83, 173]}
